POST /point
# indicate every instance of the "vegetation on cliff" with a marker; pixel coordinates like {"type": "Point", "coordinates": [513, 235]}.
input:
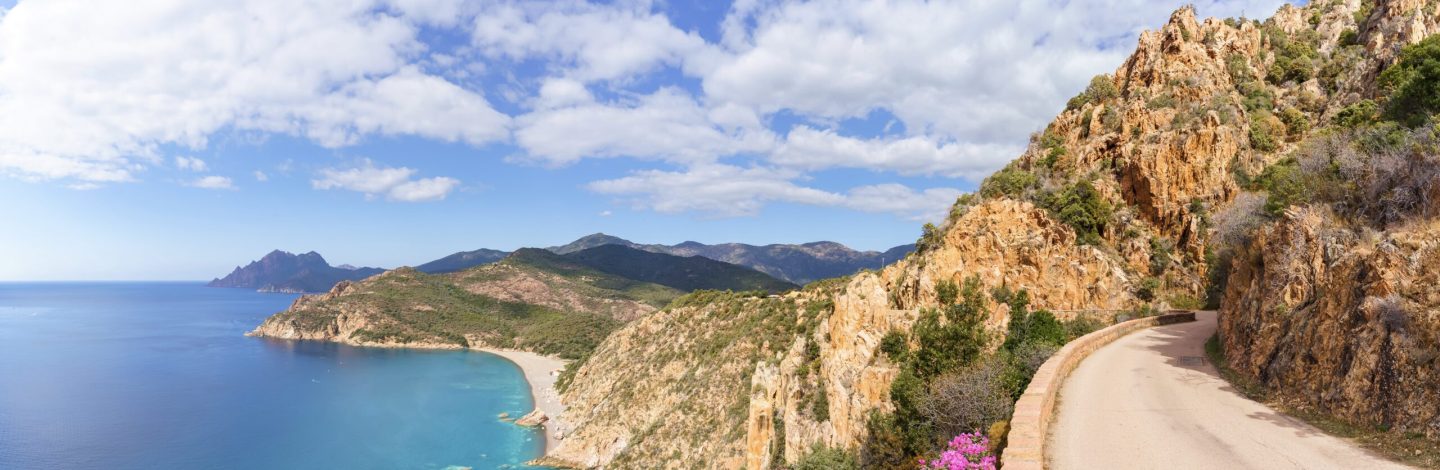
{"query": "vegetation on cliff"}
{"type": "Point", "coordinates": [1283, 170]}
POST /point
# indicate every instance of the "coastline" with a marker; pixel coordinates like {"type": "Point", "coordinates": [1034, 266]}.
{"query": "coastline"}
{"type": "Point", "coordinates": [536, 368]}
{"type": "Point", "coordinates": [538, 373]}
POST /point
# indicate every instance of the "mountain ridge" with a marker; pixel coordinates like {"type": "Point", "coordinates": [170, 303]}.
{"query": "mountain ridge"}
{"type": "Point", "coordinates": [282, 271]}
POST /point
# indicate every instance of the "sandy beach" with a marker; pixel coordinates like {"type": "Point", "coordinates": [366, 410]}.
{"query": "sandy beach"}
{"type": "Point", "coordinates": [541, 372]}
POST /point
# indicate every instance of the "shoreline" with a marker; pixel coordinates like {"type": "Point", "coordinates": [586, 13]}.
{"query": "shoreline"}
{"type": "Point", "coordinates": [538, 370]}
{"type": "Point", "coordinates": [535, 368]}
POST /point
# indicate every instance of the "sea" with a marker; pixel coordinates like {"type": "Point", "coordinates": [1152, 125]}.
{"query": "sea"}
{"type": "Point", "coordinates": [160, 376]}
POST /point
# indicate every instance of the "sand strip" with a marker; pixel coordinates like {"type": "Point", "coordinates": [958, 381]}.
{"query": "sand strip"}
{"type": "Point", "coordinates": [541, 372]}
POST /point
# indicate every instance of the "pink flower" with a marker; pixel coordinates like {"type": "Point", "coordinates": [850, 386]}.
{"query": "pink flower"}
{"type": "Point", "coordinates": [969, 451]}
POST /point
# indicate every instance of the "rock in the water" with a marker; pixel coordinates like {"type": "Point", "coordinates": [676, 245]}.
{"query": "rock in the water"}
{"type": "Point", "coordinates": [535, 418]}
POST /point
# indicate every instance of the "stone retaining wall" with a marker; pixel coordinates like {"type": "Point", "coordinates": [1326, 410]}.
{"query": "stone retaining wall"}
{"type": "Point", "coordinates": [1030, 425]}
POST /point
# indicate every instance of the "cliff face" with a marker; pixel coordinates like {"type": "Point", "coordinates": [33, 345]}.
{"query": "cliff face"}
{"type": "Point", "coordinates": [1155, 152]}
{"type": "Point", "coordinates": [1346, 323]}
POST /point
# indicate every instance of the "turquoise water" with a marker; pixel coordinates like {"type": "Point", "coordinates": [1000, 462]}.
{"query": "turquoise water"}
{"type": "Point", "coordinates": [159, 376]}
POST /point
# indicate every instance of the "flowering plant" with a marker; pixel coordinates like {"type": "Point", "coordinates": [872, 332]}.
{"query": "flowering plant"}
{"type": "Point", "coordinates": [966, 452]}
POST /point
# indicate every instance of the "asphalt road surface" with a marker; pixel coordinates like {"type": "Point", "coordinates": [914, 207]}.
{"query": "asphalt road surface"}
{"type": "Point", "coordinates": [1152, 400]}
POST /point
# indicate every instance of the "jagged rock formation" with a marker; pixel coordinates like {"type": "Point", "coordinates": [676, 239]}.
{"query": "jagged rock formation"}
{"type": "Point", "coordinates": [1340, 321]}
{"type": "Point", "coordinates": [1112, 204]}
{"type": "Point", "coordinates": [281, 271]}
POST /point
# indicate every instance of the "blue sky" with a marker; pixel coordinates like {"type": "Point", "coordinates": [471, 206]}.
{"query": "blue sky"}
{"type": "Point", "coordinates": [163, 140]}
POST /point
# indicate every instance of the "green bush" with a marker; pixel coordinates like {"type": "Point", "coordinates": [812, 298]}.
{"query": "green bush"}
{"type": "Point", "coordinates": [1413, 83]}
{"type": "Point", "coordinates": [1148, 288]}
{"type": "Point", "coordinates": [1296, 122]}
{"type": "Point", "coordinates": [1101, 88]}
{"type": "Point", "coordinates": [930, 238]}
{"type": "Point", "coordinates": [1285, 185]}
{"type": "Point", "coordinates": [1362, 113]}
{"type": "Point", "coordinates": [820, 408]}
{"type": "Point", "coordinates": [1294, 55]}
{"type": "Point", "coordinates": [1081, 207]}
{"type": "Point", "coordinates": [1010, 182]}
{"type": "Point", "coordinates": [1262, 132]}
{"type": "Point", "coordinates": [826, 458]}
{"type": "Point", "coordinates": [895, 346]}
{"type": "Point", "coordinates": [1161, 254]}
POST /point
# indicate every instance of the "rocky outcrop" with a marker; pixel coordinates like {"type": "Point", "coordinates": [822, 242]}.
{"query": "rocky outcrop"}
{"type": "Point", "coordinates": [1342, 322]}
{"type": "Point", "coordinates": [1163, 141]}
{"type": "Point", "coordinates": [285, 272]}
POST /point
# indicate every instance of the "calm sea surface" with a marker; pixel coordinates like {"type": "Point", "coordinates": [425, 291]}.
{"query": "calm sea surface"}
{"type": "Point", "coordinates": [159, 376]}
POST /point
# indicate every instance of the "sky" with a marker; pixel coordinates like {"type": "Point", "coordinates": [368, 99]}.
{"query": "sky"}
{"type": "Point", "coordinates": [174, 140]}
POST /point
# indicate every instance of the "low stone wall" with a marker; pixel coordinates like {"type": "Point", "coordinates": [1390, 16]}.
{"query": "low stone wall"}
{"type": "Point", "coordinates": [1030, 425]}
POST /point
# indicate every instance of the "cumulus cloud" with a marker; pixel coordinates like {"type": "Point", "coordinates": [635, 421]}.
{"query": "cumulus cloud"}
{"type": "Point", "coordinates": [589, 41]}
{"type": "Point", "coordinates": [212, 182]}
{"type": "Point", "coordinates": [261, 176]}
{"type": "Point", "coordinates": [148, 74]}
{"type": "Point", "coordinates": [815, 149]}
{"type": "Point", "coordinates": [978, 72]}
{"type": "Point", "coordinates": [191, 164]}
{"type": "Point", "coordinates": [666, 125]}
{"type": "Point", "coordinates": [394, 184]}
{"type": "Point", "coordinates": [731, 191]}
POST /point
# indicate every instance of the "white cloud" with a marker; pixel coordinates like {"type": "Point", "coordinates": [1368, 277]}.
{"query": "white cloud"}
{"type": "Point", "coordinates": [588, 41]}
{"type": "Point", "coordinates": [666, 125]}
{"type": "Point", "coordinates": [83, 186]}
{"type": "Point", "coordinates": [731, 191]}
{"type": "Point", "coordinates": [929, 205]}
{"type": "Point", "coordinates": [813, 149]}
{"type": "Point", "coordinates": [723, 190]}
{"type": "Point", "coordinates": [393, 183]}
{"type": "Point", "coordinates": [93, 90]}
{"type": "Point", "coordinates": [212, 182]}
{"type": "Point", "coordinates": [261, 176]}
{"type": "Point", "coordinates": [977, 72]}
{"type": "Point", "coordinates": [191, 164]}
{"type": "Point", "coordinates": [428, 189]}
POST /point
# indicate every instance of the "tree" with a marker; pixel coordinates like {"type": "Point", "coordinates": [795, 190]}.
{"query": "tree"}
{"type": "Point", "coordinates": [1413, 83]}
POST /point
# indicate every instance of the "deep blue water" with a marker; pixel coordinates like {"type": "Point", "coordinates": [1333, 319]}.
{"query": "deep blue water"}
{"type": "Point", "coordinates": [158, 376]}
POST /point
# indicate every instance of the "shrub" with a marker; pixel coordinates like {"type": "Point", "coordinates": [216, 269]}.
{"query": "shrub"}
{"type": "Point", "coordinates": [885, 444]}
{"type": "Point", "coordinates": [1349, 38]}
{"type": "Point", "coordinates": [1081, 326]}
{"type": "Point", "coordinates": [1294, 55]}
{"type": "Point", "coordinates": [1262, 132]}
{"type": "Point", "coordinates": [777, 445]}
{"type": "Point", "coordinates": [1081, 207]}
{"type": "Point", "coordinates": [965, 452]}
{"type": "Point", "coordinates": [826, 458]}
{"type": "Point", "coordinates": [1161, 252]}
{"type": "Point", "coordinates": [1101, 88]}
{"type": "Point", "coordinates": [1413, 83]}
{"type": "Point", "coordinates": [968, 399]}
{"type": "Point", "coordinates": [930, 238]}
{"type": "Point", "coordinates": [895, 346]}
{"type": "Point", "coordinates": [820, 408]}
{"type": "Point", "coordinates": [1011, 182]}
{"type": "Point", "coordinates": [1362, 113]}
{"type": "Point", "coordinates": [1296, 123]}
{"type": "Point", "coordinates": [1285, 185]}
{"type": "Point", "coordinates": [946, 291]}
{"type": "Point", "coordinates": [1148, 288]}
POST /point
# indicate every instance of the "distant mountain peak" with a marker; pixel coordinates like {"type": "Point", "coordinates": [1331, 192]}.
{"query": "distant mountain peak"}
{"type": "Point", "coordinates": [282, 271]}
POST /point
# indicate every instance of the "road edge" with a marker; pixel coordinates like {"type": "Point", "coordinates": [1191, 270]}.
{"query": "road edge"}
{"type": "Point", "coordinates": [1030, 423]}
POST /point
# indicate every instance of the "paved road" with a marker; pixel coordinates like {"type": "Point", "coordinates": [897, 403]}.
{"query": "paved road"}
{"type": "Point", "coordinates": [1153, 401]}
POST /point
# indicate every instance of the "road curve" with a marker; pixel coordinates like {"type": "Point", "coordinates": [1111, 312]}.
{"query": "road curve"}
{"type": "Point", "coordinates": [1152, 400]}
